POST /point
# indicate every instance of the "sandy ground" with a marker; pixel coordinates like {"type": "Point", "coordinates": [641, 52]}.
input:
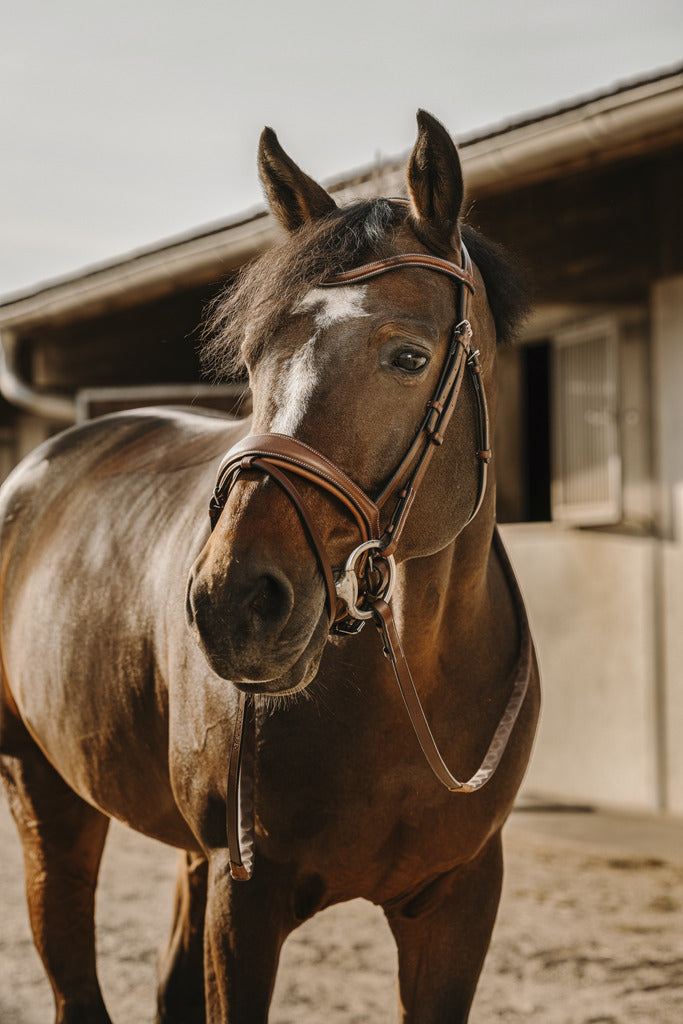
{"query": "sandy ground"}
{"type": "Point", "coordinates": [585, 935]}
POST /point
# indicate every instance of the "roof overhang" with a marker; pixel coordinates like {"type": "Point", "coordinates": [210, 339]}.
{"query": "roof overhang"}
{"type": "Point", "coordinates": [629, 122]}
{"type": "Point", "coordinates": [633, 119]}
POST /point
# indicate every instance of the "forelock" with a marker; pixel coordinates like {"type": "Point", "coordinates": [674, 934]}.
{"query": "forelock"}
{"type": "Point", "coordinates": [248, 311]}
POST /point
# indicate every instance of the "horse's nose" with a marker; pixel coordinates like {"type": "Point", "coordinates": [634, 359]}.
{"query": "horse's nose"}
{"type": "Point", "coordinates": [239, 616]}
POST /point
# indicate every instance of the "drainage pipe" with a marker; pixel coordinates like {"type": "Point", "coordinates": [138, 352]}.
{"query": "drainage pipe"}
{"type": "Point", "coordinates": [15, 390]}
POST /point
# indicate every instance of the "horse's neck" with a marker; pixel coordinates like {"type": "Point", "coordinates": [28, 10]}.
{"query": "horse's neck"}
{"type": "Point", "coordinates": [455, 608]}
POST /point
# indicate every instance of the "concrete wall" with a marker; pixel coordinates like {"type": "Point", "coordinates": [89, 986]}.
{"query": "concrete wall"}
{"type": "Point", "coordinates": [607, 615]}
{"type": "Point", "coordinates": [672, 670]}
{"type": "Point", "coordinates": [666, 303]}
{"type": "Point", "coordinates": [592, 607]}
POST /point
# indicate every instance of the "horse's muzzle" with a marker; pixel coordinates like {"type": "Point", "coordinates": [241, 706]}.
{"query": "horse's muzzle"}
{"type": "Point", "coordinates": [251, 627]}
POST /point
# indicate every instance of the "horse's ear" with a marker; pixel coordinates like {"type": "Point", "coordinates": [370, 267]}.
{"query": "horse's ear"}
{"type": "Point", "coordinates": [293, 197]}
{"type": "Point", "coordinates": [435, 185]}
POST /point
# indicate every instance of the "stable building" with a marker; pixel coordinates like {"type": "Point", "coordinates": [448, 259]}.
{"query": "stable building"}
{"type": "Point", "coordinates": [589, 453]}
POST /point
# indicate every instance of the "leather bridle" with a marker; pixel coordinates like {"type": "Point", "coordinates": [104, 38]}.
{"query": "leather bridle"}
{"type": "Point", "coordinates": [362, 590]}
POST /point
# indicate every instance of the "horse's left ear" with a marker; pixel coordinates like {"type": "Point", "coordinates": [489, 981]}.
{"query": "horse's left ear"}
{"type": "Point", "coordinates": [293, 197]}
{"type": "Point", "coordinates": [435, 185]}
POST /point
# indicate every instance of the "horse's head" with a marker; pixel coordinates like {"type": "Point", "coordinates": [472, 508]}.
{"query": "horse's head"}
{"type": "Point", "coordinates": [349, 370]}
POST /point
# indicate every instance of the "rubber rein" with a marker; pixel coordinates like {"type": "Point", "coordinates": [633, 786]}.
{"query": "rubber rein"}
{"type": "Point", "coordinates": [362, 590]}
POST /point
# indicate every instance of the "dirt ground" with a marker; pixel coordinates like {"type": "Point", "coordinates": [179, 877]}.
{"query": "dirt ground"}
{"type": "Point", "coordinates": [585, 935]}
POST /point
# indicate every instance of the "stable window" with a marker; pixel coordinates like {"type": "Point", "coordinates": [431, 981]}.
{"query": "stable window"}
{"type": "Point", "coordinates": [573, 437]}
{"type": "Point", "coordinates": [586, 452]}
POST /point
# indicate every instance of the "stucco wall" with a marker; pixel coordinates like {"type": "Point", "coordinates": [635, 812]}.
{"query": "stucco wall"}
{"type": "Point", "coordinates": [672, 666]}
{"type": "Point", "coordinates": [666, 303]}
{"type": "Point", "coordinates": [591, 605]}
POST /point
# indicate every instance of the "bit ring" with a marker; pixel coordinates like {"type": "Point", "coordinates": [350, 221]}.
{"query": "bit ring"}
{"type": "Point", "coordinates": [347, 584]}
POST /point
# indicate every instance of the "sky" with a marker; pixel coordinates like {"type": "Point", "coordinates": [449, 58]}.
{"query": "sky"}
{"type": "Point", "coordinates": [125, 123]}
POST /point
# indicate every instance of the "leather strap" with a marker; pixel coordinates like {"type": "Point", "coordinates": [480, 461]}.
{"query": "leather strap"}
{"type": "Point", "coordinates": [407, 259]}
{"type": "Point", "coordinates": [440, 408]}
{"type": "Point", "coordinates": [416, 460]}
{"type": "Point", "coordinates": [299, 458]}
{"type": "Point", "coordinates": [484, 453]}
{"type": "Point", "coordinates": [394, 651]}
{"type": "Point", "coordinates": [240, 793]}
{"type": "Point", "coordinates": [271, 469]}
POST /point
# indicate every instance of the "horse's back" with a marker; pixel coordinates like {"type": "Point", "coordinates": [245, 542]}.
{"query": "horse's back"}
{"type": "Point", "coordinates": [132, 458]}
{"type": "Point", "coordinates": [140, 440]}
{"type": "Point", "coordinates": [98, 528]}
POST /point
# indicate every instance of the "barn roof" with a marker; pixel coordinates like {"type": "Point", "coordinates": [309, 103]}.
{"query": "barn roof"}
{"type": "Point", "coordinates": [627, 120]}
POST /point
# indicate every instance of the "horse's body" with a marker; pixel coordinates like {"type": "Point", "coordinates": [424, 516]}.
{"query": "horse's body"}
{"type": "Point", "coordinates": [111, 708]}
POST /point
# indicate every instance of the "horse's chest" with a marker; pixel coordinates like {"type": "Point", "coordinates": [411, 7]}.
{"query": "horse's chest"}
{"type": "Point", "coordinates": [373, 828]}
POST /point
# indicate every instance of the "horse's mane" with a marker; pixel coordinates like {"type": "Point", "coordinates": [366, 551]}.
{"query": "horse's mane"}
{"type": "Point", "coordinates": [507, 282]}
{"type": "Point", "coordinates": [245, 314]}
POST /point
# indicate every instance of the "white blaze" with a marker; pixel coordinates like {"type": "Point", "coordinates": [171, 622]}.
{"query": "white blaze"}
{"type": "Point", "coordinates": [299, 374]}
{"type": "Point", "coordinates": [334, 304]}
{"type": "Point", "coordinates": [294, 388]}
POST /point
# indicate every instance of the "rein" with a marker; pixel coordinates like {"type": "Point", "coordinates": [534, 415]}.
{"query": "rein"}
{"type": "Point", "coordinates": [363, 589]}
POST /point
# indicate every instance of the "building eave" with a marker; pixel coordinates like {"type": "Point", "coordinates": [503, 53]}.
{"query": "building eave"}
{"type": "Point", "coordinates": [632, 119]}
{"type": "Point", "coordinates": [644, 118]}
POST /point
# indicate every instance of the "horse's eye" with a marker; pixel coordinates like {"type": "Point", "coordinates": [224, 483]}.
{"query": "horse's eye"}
{"type": "Point", "coordinates": [410, 361]}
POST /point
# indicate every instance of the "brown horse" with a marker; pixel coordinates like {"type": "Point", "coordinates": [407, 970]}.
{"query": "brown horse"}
{"type": "Point", "coordinates": [113, 706]}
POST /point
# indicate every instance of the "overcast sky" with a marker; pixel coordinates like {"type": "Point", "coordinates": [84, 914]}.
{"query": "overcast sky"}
{"type": "Point", "coordinates": [123, 123]}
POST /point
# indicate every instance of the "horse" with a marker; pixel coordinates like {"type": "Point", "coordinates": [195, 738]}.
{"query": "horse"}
{"type": "Point", "coordinates": [205, 680]}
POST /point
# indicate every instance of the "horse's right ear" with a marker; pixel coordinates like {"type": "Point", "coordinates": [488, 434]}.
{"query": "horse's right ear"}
{"type": "Point", "coordinates": [293, 197]}
{"type": "Point", "coordinates": [435, 186]}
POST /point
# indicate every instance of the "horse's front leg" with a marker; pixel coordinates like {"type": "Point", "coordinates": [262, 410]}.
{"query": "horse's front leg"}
{"type": "Point", "coordinates": [180, 997]}
{"type": "Point", "coordinates": [442, 936]}
{"type": "Point", "coordinates": [63, 839]}
{"type": "Point", "coordinates": [246, 924]}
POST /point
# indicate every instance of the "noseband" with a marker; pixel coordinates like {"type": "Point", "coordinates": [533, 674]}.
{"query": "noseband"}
{"type": "Point", "coordinates": [362, 589]}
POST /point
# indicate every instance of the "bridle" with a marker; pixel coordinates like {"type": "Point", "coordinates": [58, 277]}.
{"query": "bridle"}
{"type": "Point", "coordinates": [282, 456]}
{"type": "Point", "coordinates": [363, 589]}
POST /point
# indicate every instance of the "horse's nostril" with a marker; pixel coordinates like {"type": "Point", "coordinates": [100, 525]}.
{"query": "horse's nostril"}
{"type": "Point", "coordinates": [265, 596]}
{"type": "Point", "coordinates": [270, 602]}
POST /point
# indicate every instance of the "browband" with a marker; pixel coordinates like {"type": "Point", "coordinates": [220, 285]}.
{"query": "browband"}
{"type": "Point", "coordinates": [408, 259]}
{"type": "Point", "coordinates": [462, 274]}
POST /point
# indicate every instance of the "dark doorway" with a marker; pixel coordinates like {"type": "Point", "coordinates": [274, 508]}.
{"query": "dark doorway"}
{"type": "Point", "coordinates": [536, 369]}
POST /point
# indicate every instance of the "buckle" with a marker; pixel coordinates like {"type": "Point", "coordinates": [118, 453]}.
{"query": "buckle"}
{"type": "Point", "coordinates": [347, 626]}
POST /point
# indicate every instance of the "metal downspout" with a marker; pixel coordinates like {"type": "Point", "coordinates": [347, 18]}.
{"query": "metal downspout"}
{"type": "Point", "coordinates": [16, 391]}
